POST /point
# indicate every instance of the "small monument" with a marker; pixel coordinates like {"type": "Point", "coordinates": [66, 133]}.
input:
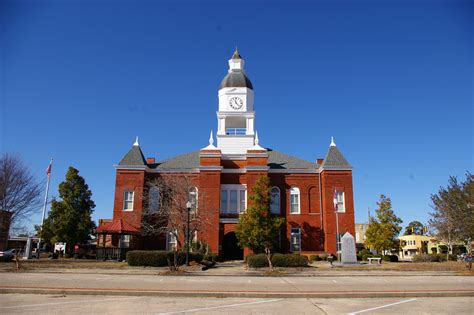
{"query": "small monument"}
{"type": "Point", "coordinates": [348, 249]}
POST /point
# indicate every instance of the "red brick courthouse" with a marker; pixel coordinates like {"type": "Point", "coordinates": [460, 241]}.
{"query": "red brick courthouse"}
{"type": "Point", "coordinates": [302, 191]}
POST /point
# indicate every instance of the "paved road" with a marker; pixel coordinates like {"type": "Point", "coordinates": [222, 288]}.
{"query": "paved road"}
{"type": "Point", "coordinates": [239, 286]}
{"type": "Point", "coordinates": [61, 304]}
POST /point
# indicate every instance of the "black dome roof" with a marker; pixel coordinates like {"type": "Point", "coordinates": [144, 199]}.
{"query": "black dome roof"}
{"type": "Point", "coordinates": [236, 78]}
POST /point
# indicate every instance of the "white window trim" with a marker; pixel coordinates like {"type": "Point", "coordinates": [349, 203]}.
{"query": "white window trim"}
{"type": "Point", "coordinates": [124, 200]}
{"type": "Point", "coordinates": [227, 189]}
{"type": "Point", "coordinates": [299, 200]}
{"type": "Point", "coordinates": [291, 240]}
{"type": "Point", "coordinates": [279, 200]}
{"type": "Point", "coordinates": [168, 235]}
{"type": "Point", "coordinates": [197, 197]}
{"type": "Point", "coordinates": [343, 202]}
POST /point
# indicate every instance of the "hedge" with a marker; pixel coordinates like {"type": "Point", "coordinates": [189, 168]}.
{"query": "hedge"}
{"type": "Point", "coordinates": [390, 258]}
{"type": "Point", "coordinates": [158, 258]}
{"type": "Point", "coordinates": [278, 260]}
{"type": "Point", "coordinates": [6, 258]}
{"type": "Point", "coordinates": [432, 257]}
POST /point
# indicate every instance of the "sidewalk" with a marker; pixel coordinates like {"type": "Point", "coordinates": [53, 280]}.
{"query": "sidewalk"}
{"type": "Point", "coordinates": [238, 269]}
{"type": "Point", "coordinates": [329, 283]}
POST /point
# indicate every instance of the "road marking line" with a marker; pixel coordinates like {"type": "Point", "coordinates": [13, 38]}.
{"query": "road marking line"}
{"type": "Point", "coordinates": [220, 306]}
{"type": "Point", "coordinates": [70, 302]}
{"type": "Point", "coordinates": [379, 307]}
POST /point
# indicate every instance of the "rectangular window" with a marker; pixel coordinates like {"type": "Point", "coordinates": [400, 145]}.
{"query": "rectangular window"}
{"type": "Point", "coordinates": [295, 240]}
{"type": "Point", "coordinates": [128, 200]}
{"type": "Point", "coordinates": [233, 199]}
{"type": "Point", "coordinates": [294, 203]}
{"type": "Point", "coordinates": [124, 241]}
{"type": "Point", "coordinates": [340, 201]}
{"type": "Point", "coordinates": [171, 242]}
{"type": "Point", "coordinates": [223, 201]}
{"type": "Point", "coordinates": [242, 201]}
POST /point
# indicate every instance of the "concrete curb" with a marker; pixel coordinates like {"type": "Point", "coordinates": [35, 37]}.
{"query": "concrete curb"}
{"type": "Point", "coordinates": [229, 294]}
{"type": "Point", "coordinates": [256, 274]}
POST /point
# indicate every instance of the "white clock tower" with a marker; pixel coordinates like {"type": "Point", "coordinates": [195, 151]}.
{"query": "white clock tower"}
{"type": "Point", "coordinates": [235, 118]}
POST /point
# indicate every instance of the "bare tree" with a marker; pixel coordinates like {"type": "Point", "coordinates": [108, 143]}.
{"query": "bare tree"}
{"type": "Point", "coordinates": [165, 211]}
{"type": "Point", "coordinates": [19, 190]}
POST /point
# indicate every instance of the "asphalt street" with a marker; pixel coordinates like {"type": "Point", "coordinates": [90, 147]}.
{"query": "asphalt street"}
{"type": "Point", "coordinates": [80, 304]}
{"type": "Point", "coordinates": [237, 286]}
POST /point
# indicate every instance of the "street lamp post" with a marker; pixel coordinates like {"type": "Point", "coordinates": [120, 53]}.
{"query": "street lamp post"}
{"type": "Point", "coordinates": [188, 207]}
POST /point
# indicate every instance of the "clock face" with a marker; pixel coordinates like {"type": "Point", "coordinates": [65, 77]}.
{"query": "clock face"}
{"type": "Point", "coordinates": [236, 103]}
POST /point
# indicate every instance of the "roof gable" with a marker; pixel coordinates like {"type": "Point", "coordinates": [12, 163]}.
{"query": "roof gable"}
{"type": "Point", "coordinates": [335, 159]}
{"type": "Point", "coordinates": [134, 157]}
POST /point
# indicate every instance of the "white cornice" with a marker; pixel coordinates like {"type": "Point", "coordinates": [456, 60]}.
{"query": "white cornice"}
{"type": "Point", "coordinates": [257, 168]}
{"type": "Point", "coordinates": [210, 168]}
{"type": "Point", "coordinates": [335, 168]}
{"type": "Point", "coordinates": [228, 220]}
{"type": "Point", "coordinates": [130, 167]}
{"type": "Point", "coordinates": [295, 171]}
{"type": "Point", "coordinates": [234, 170]}
{"type": "Point", "coordinates": [209, 154]}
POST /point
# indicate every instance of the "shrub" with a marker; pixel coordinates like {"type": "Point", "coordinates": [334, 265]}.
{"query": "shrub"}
{"type": "Point", "coordinates": [152, 258]}
{"type": "Point", "coordinates": [390, 258]}
{"type": "Point", "coordinates": [197, 257]}
{"type": "Point", "coordinates": [6, 258]}
{"type": "Point", "coordinates": [362, 253]}
{"type": "Point", "coordinates": [428, 258]}
{"type": "Point", "coordinates": [212, 257]}
{"type": "Point", "coordinates": [314, 258]}
{"type": "Point", "coordinates": [289, 260]}
{"type": "Point", "coordinates": [278, 260]}
{"type": "Point", "coordinates": [323, 256]}
{"type": "Point", "coordinates": [257, 261]}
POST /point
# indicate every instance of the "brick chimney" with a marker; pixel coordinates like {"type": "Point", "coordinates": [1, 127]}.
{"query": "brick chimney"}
{"type": "Point", "coordinates": [150, 160]}
{"type": "Point", "coordinates": [319, 161]}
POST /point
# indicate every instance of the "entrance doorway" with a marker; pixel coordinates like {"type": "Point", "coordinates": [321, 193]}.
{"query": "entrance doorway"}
{"type": "Point", "coordinates": [230, 247]}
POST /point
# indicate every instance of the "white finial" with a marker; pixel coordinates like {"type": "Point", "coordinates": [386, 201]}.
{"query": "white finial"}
{"type": "Point", "coordinates": [211, 145]}
{"type": "Point", "coordinates": [256, 145]}
{"type": "Point", "coordinates": [333, 144]}
{"type": "Point", "coordinates": [211, 139]}
{"type": "Point", "coordinates": [136, 142]}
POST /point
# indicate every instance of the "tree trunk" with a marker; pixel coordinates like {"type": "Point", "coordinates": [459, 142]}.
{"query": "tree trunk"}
{"type": "Point", "coordinates": [268, 253]}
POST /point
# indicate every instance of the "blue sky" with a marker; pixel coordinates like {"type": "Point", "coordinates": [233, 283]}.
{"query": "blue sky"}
{"type": "Point", "coordinates": [392, 81]}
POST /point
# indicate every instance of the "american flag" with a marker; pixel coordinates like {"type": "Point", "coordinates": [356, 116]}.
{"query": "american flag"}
{"type": "Point", "coordinates": [48, 170]}
{"type": "Point", "coordinates": [335, 200]}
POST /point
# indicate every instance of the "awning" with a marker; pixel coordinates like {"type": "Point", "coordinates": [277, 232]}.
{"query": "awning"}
{"type": "Point", "coordinates": [117, 227]}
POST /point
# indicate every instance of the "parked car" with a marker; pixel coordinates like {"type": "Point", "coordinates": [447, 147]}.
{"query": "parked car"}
{"type": "Point", "coordinates": [10, 252]}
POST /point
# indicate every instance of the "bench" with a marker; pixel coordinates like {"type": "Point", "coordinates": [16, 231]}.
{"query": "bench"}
{"type": "Point", "coordinates": [377, 259]}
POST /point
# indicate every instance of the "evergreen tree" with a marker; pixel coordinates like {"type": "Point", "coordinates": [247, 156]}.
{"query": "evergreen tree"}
{"type": "Point", "coordinates": [414, 228]}
{"type": "Point", "coordinates": [70, 218]}
{"type": "Point", "coordinates": [258, 228]}
{"type": "Point", "coordinates": [383, 230]}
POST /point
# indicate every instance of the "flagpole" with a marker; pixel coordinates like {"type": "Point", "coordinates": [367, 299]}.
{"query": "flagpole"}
{"type": "Point", "coordinates": [44, 208]}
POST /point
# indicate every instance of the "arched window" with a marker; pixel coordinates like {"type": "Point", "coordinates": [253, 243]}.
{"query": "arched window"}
{"type": "Point", "coordinates": [154, 199]}
{"type": "Point", "coordinates": [275, 200]}
{"type": "Point", "coordinates": [193, 198]}
{"type": "Point", "coordinates": [294, 200]}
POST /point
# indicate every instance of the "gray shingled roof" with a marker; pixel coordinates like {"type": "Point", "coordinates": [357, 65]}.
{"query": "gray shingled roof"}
{"type": "Point", "coordinates": [280, 160]}
{"type": "Point", "coordinates": [276, 160]}
{"type": "Point", "coordinates": [335, 159]}
{"type": "Point", "coordinates": [236, 78]}
{"type": "Point", "coordinates": [134, 157]}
